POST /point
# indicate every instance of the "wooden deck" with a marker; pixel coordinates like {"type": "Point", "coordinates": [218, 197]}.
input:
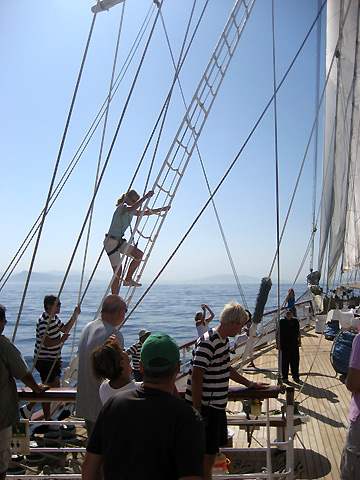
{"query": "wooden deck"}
{"type": "Point", "coordinates": [322, 397]}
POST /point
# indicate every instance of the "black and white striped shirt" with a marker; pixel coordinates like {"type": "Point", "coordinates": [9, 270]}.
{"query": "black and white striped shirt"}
{"type": "Point", "coordinates": [211, 353]}
{"type": "Point", "coordinates": [54, 331]}
{"type": "Point", "coordinates": [134, 351]}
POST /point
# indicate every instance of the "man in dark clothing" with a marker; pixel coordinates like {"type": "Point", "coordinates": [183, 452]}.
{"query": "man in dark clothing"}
{"type": "Point", "coordinates": [288, 340]}
{"type": "Point", "coordinates": [148, 432]}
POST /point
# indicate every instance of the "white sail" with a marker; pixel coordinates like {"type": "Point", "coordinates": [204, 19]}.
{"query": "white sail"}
{"type": "Point", "coordinates": [340, 201]}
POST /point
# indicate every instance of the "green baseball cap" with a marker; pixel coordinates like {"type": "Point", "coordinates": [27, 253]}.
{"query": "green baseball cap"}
{"type": "Point", "coordinates": [159, 352]}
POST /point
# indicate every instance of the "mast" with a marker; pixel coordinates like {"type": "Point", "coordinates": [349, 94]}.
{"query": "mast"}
{"type": "Point", "coordinates": [316, 144]}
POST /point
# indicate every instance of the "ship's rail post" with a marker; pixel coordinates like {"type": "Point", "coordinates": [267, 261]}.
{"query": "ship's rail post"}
{"type": "Point", "coordinates": [269, 421]}
{"type": "Point", "coordinates": [61, 446]}
{"type": "Point", "coordinates": [290, 432]}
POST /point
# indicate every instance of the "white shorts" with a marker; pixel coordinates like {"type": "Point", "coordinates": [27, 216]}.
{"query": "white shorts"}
{"type": "Point", "coordinates": [110, 244]}
{"type": "Point", "coordinates": [5, 452]}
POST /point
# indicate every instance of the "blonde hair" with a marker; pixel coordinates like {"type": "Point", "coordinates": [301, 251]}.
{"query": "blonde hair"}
{"type": "Point", "coordinates": [233, 312]}
{"type": "Point", "coordinates": [122, 198]}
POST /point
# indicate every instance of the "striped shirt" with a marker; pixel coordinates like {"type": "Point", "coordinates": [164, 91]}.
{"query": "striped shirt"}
{"type": "Point", "coordinates": [54, 332]}
{"type": "Point", "coordinates": [134, 351]}
{"type": "Point", "coordinates": [211, 353]}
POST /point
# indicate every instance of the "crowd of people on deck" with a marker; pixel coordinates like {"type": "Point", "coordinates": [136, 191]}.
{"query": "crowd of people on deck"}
{"type": "Point", "coordinates": [141, 427]}
{"type": "Point", "coordinates": [125, 416]}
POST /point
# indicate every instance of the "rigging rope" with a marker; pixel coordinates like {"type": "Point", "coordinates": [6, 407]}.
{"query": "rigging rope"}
{"type": "Point", "coordinates": [279, 238]}
{"type": "Point", "coordinates": [177, 69]}
{"type": "Point", "coordinates": [98, 164]}
{"type": "Point", "coordinates": [315, 222]}
{"type": "Point", "coordinates": [232, 264]}
{"type": "Point", "coordinates": [53, 177]}
{"type": "Point", "coordinates": [96, 189]}
{"type": "Point", "coordinates": [276, 171]}
{"type": "Point", "coordinates": [104, 167]}
{"type": "Point", "coordinates": [103, 171]}
{"type": "Point", "coordinates": [203, 168]}
{"type": "Point", "coordinates": [88, 136]}
{"type": "Point", "coordinates": [302, 166]}
{"type": "Point", "coordinates": [252, 131]}
{"type": "Point", "coordinates": [82, 274]}
{"type": "Point", "coordinates": [163, 113]}
{"type": "Point", "coordinates": [164, 108]}
{"type": "Point", "coordinates": [96, 186]}
{"type": "Point", "coordinates": [167, 99]}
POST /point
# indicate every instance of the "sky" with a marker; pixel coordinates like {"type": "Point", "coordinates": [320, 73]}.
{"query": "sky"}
{"type": "Point", "coordinates": [42, 45]}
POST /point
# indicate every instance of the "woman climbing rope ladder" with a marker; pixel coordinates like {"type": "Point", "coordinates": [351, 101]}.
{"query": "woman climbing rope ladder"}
{"type": "Point", "coordinates": [126, 207]}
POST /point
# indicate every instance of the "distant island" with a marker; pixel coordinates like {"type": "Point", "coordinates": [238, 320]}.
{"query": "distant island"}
{"type": "Point", "coordinates": [226, 278]}
{"type": "Point", "coordinates": [43, 277]}
{"type": "Point", "coordinates": [55, 276]}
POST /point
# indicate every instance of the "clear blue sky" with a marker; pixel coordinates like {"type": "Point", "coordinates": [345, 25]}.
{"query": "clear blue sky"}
{"type": "Point", "coordinates": [42, 44]}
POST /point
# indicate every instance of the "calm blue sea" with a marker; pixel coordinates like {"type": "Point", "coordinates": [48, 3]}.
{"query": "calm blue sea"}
{"type": "Point", "coordinates": [167, 308]}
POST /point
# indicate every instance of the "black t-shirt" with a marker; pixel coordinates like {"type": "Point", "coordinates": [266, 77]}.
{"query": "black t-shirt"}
{"type": "Point", "coordinates": [148, 433]}
{"type": "Point", "coordinates": [289, 333]}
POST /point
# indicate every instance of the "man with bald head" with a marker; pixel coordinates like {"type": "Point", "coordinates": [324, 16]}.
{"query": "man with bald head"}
{"type": "Point", "coordinates": [94, 334]}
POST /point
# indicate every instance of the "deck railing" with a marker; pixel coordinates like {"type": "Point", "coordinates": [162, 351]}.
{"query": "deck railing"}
{"type": "Point", "coordinates": [235, 394]}
{"type": "Point", "coordinates": [265, 328]}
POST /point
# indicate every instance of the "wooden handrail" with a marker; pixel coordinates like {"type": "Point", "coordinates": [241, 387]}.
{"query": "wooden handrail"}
{"type": "Point", "coordinates": [68, 395]}
{"type": "Point", "coordinates": [243, 393]}
{"type": "Point", "coordinates": [188, 344]}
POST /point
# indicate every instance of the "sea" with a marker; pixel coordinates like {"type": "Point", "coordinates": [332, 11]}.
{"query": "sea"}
{"type": "Point", "coordinates": [167, 308]}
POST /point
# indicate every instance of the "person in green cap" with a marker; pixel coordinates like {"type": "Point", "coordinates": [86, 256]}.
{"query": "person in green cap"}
{"type": "Point", "coordinates": [167, 431]}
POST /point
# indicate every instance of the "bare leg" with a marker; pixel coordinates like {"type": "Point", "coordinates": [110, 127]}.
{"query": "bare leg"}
{"type": "Point", "coordinates": [115, 287]}
{"type": "Point", "coordinates": [208, 464]}
{"type": "Point", "coordinates": [137, 254]}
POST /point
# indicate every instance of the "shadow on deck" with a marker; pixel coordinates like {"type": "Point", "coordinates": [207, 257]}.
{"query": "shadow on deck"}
{"type": "Point", "coordinates": [308, 463]}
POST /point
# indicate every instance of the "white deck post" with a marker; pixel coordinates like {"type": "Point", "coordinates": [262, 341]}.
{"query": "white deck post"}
{"type": "Point", "coordinates": [290, 432]}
